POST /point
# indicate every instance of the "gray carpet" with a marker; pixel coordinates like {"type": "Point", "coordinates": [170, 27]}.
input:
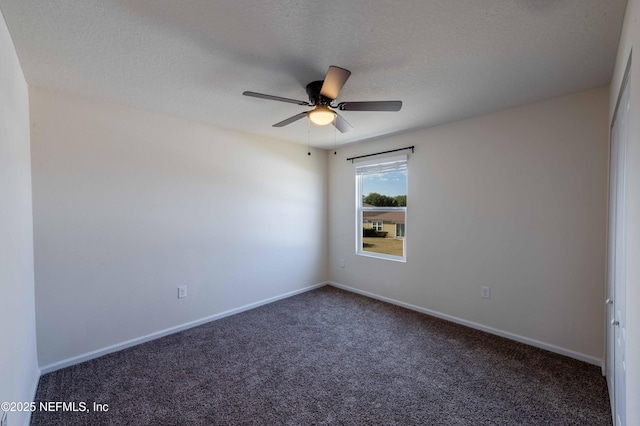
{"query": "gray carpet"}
{"type": "Point", "coordinates": [330, 357]}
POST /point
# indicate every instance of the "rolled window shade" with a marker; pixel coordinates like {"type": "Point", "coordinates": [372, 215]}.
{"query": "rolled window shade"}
{"type": "Point", "coordinates": [384, 165]}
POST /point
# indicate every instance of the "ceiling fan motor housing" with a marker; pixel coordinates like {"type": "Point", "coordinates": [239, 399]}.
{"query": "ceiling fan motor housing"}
{"type": "Point", "coordinates": [315, 98]}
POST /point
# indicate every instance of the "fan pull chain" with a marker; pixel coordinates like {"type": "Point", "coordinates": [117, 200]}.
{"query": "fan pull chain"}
{"type": "Point", "coordinates": [308, 137]}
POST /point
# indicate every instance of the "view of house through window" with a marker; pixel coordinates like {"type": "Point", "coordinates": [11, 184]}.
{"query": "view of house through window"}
{"type": "Point", "coordinates": [382, 208]}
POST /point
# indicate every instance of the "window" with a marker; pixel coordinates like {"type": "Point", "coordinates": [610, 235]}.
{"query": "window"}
{"type": "Point", "coordinates": [381, 201]}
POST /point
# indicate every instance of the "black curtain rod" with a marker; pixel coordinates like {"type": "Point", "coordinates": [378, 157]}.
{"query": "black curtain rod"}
{"type": "Point", "coordinates": [383, 152]}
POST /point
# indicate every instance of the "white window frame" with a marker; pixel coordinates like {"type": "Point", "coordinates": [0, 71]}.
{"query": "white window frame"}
{"type": "Point", "coordinates": [360, 209]}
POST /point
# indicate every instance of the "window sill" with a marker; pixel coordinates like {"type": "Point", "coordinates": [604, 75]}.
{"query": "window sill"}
{"type": "Point", "coordinates": [382, 256]}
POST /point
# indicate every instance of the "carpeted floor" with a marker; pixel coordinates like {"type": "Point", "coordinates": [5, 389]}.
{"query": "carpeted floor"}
{"type": "Point", "coordinates": [329, 357]}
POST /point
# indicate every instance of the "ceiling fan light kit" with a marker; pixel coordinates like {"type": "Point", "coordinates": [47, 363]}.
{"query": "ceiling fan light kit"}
{"type": "Point", "coordinates": [322, 94]}
{"type": "Point", "coordinates": [322, 115]}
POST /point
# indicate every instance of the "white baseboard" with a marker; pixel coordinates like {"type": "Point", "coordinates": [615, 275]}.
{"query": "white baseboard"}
{"type": "Point", "coordinates": [133, 342]}
{"type": "Point", "coordinates": [129, 343]}
{"type": "Point", "coordinates": [538, 344]}
{"type": "Point", "coordinates": [34, 389]}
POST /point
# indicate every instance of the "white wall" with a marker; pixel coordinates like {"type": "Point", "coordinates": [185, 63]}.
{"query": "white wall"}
{"type": "Point", "coordinates": [129, 204]}
{"type": "Point", "coordinates": [630, 39]}
{"type": "Point", "coordinates": [18, 364]}
{"type": "Point", "coordinates": [514, 200]}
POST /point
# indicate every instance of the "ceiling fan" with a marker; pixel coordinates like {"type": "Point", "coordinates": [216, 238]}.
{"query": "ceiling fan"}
{"type": "Point", "coordinates": [322, 94]}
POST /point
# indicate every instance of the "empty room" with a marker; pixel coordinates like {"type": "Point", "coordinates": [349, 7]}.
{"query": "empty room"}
{"type": "Point", "coordinates": [290, 212]}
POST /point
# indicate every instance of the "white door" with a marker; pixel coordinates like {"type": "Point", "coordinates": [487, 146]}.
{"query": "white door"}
{"type": "Point", "coordinates": [616, 274]}
{"type": "Point", "coordinates": [611, 261]}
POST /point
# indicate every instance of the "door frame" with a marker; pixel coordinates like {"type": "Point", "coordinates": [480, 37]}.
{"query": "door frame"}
{"type": "Point", "coordinates": [616, 224]}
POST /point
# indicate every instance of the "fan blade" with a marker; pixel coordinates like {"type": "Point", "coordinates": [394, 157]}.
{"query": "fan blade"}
{"type": "Point", "coordinates": [274, 98]}
{"type": "Point", "coordinates": [291, 119]}
{"type": "Point", "coordinates": [342, 124]}
{"type": "Point", "coordinates": [334, 80]}
{"type": "Point", "coordinates": [370, 106]}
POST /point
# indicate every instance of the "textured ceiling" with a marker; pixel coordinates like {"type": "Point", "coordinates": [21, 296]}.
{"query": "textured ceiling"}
{"type": "Point", "coordinates": [446, 60]}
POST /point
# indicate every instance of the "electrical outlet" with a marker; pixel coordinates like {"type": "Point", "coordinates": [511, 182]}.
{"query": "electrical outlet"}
{"type": "Point", "coordinates": [485, 292]}
{"type": "Point", "coordinates": [342, 263]}
{"type": "Point", "coordinates": [182, 292]}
